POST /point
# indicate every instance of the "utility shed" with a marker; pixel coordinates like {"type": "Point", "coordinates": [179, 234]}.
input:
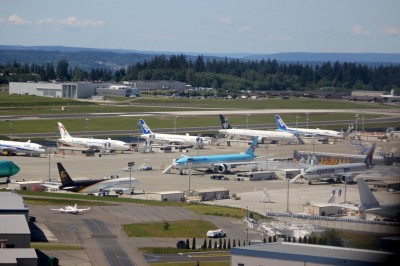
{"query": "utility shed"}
{"type": "Point", "coordinates": [26, 185]}
{"type": "Point", "coordinates": [176, 196]}
{"type": "Point", "coordinates": [257, 175]}
{"type": "Point", "coordinates": [14, 231]}
{"type": "Point", "coordinates": [12, 203]}
{"type": "Point", "coordinates": [18, 256]}
{"type": "Point", "coordinates": [213, 193]}
{"type": "Point", "coordinates": [324, 210]}
{"type": "Point", "coordinates": [297, 254]}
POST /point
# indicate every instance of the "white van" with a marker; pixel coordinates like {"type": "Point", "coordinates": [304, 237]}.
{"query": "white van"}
{"type": "Point", "coordinates": [216, 233]}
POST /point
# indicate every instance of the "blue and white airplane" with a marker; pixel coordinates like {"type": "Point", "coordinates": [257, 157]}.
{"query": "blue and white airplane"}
{"type": "Point", "coordinates": [13, 147]}
{"type": "Point", "coordinates": [171, 138]}
{"type": "Point", "coordinates": [218, 163]}
{"type": "Point", "coordinates": [311, 132]}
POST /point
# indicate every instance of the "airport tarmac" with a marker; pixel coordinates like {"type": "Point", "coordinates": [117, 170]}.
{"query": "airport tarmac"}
{"type": "Point", "coordinates": [257, 196]}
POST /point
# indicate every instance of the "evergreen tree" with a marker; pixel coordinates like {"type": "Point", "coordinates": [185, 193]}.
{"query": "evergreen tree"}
{"type": "Point", "coordinates": [229, 243]}
{"type": "Point", "coordinates": [234, 243]}
{"type": "Point", "coordinates": [209, 243]}
{"type": "Point", "coordinates": [187, 243]}
{"type": "Point", "coordinates": [224, 246]}
{"type": "Point", "coordinates": [269, 239]}
{"type": "Point", "coordinates": [204, 246]}
{"type": "Point", "coordinates": [220, 243]}
{"type": "Point", "coordinates": [194, 243]}
{"type": "Point", "coordinates": [215, 245]}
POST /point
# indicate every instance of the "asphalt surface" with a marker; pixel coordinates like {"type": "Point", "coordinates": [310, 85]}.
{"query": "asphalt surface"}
{"type": "Point", "coordinates": [99, 231]}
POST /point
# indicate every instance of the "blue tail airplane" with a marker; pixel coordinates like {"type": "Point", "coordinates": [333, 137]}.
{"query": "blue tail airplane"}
{"type": "Point", "coordinates": [218, 163]}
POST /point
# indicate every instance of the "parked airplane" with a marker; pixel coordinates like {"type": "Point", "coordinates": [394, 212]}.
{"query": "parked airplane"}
{"type": "Point", "coordinates": [171, 138]}
{"type": "Point", "coordinates": [344, 172]}
{"type": "Point", "coordinates": [311, 132]}
{"type": "Point", "coordinates": [119, 185]}
{"type": "Point", "coordinates": [12, 147]}
{"type": "Point", "coordinates": [217, 163]}
{"type": "Point", "coordinates": [71, 209]}
{"type": "Point", "coordinates": [8, 169]}
{"type": "Point", "coordinates": [369, 204]}
{"type": "Point", "coordinates": [263, 135]}
{"type": "Point", "coordinates": [91, 143]}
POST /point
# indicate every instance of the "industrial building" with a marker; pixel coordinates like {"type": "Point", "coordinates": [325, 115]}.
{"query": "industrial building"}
{"type": "Point", "coordinates": [296, 254]}
{"type": "Point", "coordinates": [176, 196]}
{"type": "Point", "coordinates": [73, 90]}
{"type": "Point", "coordinates": [213, 193]}
{"type": "Point", "coordinates": [14, 231]}
{"type": "Point", "coordinates": [18, 257]}
{"type": "Point", "coordinates": [12, 203]}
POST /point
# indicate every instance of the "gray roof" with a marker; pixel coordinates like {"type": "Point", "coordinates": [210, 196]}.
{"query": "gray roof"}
{"type": "Point", "coordinates": [313, 253]}
{"type": "Point", "coordinates": [11, 201]}
{"type": "Point", "coordinates": [10, 255]}
{"type": "Point", "coordinates": [13, 224]}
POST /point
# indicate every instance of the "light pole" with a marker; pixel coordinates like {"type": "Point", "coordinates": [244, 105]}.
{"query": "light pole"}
{"type": "Point", "coordinates": [10, 128]}
{"type": "Point", "coordinates": [86, 126]}
{"type": "Point", "coordinates": [189, 162]}
{"type": "Point", "coordinates": [175, 117]}
{"type": "Point", "coordinates": [247, 120]}
{"type": "Point", "coordinates": [48, 152]}
{"type": "Point", "coordinates": [297, 120]}
{"type": "Point", "coordinates": [308, 114]}
{"type": "Point", "coordinates": [130, 165]}
{"type": "Point", "coordinates": [356, 116]}
{"type": "Point", "coordinates": [362, 122]}
{"type": "Point", "coordinates": [287, 199]}
{"type": "Point", "coordinates": [266, 148]}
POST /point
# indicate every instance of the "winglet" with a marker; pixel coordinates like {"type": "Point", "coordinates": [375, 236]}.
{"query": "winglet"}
{"type": "Point", "coordinates": [252, 148]}
{"type": "Point", "coordinates": [63, 131]}
{"type": "Point", "coordinates": [143, 126]}
{"type": "Point", "coordinates": [64, 176]}
{"type": "Point", "coordinates": [280, 123]}
{"type": "Point", "coordinates": [367, 199]}
{"type": "Point", "coordinates": [224, 122]}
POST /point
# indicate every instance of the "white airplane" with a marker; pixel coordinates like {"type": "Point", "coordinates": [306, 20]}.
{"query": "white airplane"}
{"type": "Point", "coordinates": [343, 172]}
{"type": "Point", "coordinates": [91, 143]}
{"type": "Point", "coordinates": [119, 184]}
{"type": "Point", "coordinates": [263, 135]}
{"type": "Point", "coordinates": [12, 147]}
{"type": "Point", "coordinates": [311, 132]}
{"type": "Point", "coordinates": [71, 209]}
{"type": "Point", "coordinates": [369, 204]}
{"type": "Point", "coordinates": [171, 138]}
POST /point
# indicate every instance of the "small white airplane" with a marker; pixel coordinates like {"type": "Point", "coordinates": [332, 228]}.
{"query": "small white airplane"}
{"type": "Point", "coordinates": [171, 138]}
{"type": "Point", "coordinates": [263, 135]}
{"type": "Point", "coordinates": [13, 147]}
{"type": "Point", "coordinates": [119, 184]}
{"type": "Point", "coordinates": [311, 132]}
{"type": "Point", "coordinates": [71, 209]}
{"type": "Point", "coordinates": [91, 143]}
{"type": "Point", "coordinates": [343, 172]}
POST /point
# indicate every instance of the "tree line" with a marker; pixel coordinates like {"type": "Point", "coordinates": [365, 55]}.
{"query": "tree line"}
{"type": "Point", "coordinates": [222, 74]}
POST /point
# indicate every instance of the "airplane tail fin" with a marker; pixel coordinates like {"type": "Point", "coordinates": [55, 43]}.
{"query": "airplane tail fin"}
{"type": "Point", "coordinates": [367, 199]}
{"type": "Point", "coordinates": [252, 148]}
{"type": "Point", "coordinates": [64, 176]}
{"type": "Point", "coordinates": [224, 122]}
{"type": "Point", "coordinates": [143, 126]}
{"type": "Point", "coordinates": [370, 155]}
{"type": "Point", "coordinates": [63, 131]}
{"type": "Point", "coordinates": [348, 131]}
{"type": "Point", "coordinates": [281, 124]}
{"type": "Point", "coordinates": [76, 206]}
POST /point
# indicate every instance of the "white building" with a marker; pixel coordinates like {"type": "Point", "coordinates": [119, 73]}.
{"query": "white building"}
{"type": "Point", "coordinates": [73, 90]}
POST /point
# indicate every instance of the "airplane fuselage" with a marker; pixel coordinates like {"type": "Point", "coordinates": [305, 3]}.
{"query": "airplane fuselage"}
{"type": "Point", "coordinates": [315, 132]}
{"type": "Point", "coordinates": [261, 134]}
{"type": "Point", "coordinates": [94, 186]}
{"type": "Point", "coordinates": [176, 139]}
{"type": "Point", "coordinates": [108, 144]}
{"type": "Point", "coordinates": [211, 160]}
{"type": "Point", "coordinates": [18, 146]}
{"type": "Point", "coordinates": [327, 171]}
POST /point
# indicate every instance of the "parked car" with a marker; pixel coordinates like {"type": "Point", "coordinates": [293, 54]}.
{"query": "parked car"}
{"type": "Point", "coordinates": [219, 177]}
{"type": "Point", "coordinates": [216, 233]}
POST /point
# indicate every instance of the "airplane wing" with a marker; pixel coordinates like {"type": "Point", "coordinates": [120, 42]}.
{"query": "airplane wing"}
{"type": "Point", "coordinates": [59, 210]}
{"type": "Point", "coordinates": [82, 210]}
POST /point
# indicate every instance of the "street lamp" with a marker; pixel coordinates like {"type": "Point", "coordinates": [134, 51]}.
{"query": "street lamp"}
{"type": "Point", "coordinates": [10, 128]}
{"type": "Point", "coordinates": [362, 122]}
{"type": "Point", "coordinates": [356, 116]}
{"type": "Point", "coordinates": [297, 120]}
{"type": "Point", "coordinates": [266, 148]}
{"type": "Point", "coordinates": [130, 165]}
{"type": "Point", "coordinates": [287, 199]}
{"type": "Point", "coordinates": [247, 120]}
{"type": "Point", "coordinates": [189, 162]}
{"type": "Point", "coordinates": [86, 125]}
{"type": "Point", "coordinates": [308, 114]}
{"type": "Point", "coordinates": [175, 117]}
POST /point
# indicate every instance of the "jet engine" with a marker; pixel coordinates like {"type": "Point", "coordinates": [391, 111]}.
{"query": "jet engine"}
{"type": "Point", "coordinates": [222, 168]}
{"type": "Point", "coordinates": [346, 179]}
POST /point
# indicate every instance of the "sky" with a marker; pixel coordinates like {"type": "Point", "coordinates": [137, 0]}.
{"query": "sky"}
{"type": "Point", "coordinates": [205, 26]}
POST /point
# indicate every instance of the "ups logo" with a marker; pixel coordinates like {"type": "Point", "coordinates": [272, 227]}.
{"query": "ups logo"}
{"type": "Point", "coordinates": [63, 176]}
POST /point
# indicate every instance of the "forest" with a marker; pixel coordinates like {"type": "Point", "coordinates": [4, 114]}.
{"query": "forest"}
{"type": "Point", "coordinates": [222, 74]}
